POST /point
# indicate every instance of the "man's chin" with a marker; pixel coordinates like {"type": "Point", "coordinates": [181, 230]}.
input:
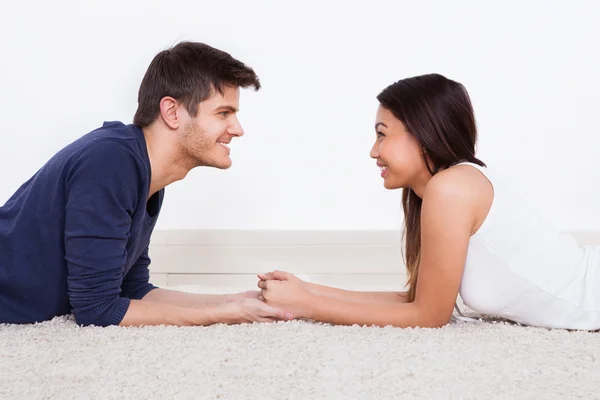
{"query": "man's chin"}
{"type": "Point", "coordinates": [224, 164]}
{"type": "Point", "coordinates": [219, 163]}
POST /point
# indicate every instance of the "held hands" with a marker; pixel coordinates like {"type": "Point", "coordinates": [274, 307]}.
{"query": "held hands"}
{"type": "Point", "coordinates": [282, 297]}
{"type": "Point", "coordinates": [247, 310]}
{"type": "Point", "coordinates": [285, 290]}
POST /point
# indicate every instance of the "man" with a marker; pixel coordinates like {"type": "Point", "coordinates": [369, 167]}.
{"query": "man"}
{"type": "Point", "coordinates": [74, 238]}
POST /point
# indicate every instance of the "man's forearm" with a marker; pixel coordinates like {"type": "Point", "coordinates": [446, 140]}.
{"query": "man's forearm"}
{"type": "Point", "coordinates": [189, 300]}
{"type": "Point", "coordinates": [142, 312]}
{"type": "Point", "coordinates": [341, 294]}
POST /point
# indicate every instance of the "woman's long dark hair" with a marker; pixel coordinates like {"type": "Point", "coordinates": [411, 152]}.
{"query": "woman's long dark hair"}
{"type": "Point", "coordinates": [437, 111]}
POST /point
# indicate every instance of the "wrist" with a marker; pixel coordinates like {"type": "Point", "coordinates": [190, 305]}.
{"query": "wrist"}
{"type": "Point", "coordinates": [228, 298]}
{"type": "Point", "coordinates": [312, 288]}
{"type": "Point", "coordinates": [193, 316]}
{"type": "Point", "coordinates": [210, 314]}
{"type": "Point", "coordinates": [310, 301]}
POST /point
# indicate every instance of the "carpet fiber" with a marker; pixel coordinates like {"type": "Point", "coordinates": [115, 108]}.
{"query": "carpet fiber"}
{"type": "Point", "coordinates": [296, 360]}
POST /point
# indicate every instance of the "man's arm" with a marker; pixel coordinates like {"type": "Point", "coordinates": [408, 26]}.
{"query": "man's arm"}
{"type": "Point", "coordinates": [101, 198]}
{"type": "Point", "coordinates": [136, 286]}
{"type": "Point", "coordinates": [136, 283]}
{"type": "Point", "coordinates": [142, 312]}
{"type": "Point", "coordinates": [189, 300]}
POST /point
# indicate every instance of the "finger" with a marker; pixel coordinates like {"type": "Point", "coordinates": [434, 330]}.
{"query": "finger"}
{"type": "Point", "coordinates": [271, 320]}
{"type": "Point", "coordinates": [265, 276]}
{"type": "Point", "coordinates": [261, 298]}
{"type": "Point", "coordinates": [262, 284]}
{"type": "Point", "coordinates": [279, 275]}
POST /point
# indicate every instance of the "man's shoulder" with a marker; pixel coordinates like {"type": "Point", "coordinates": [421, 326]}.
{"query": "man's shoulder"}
{"type": "Point", "coordinates": [113, 140]}
{"type": "Point", "coordinates": [109, 158]}
{"type": "Point", "coordinates": [112, 135]}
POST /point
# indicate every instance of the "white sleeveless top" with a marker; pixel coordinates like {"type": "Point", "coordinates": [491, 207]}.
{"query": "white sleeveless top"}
{"type": "Point", "coordinates": [519, 267]}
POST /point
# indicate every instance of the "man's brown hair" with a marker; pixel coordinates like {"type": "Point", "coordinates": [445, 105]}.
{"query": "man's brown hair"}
{"type": "Point", "coordinates": [189, 72]}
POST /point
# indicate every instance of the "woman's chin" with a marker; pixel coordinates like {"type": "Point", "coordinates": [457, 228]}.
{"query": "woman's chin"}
{"type": "Point", "coordinates": [388, 184]}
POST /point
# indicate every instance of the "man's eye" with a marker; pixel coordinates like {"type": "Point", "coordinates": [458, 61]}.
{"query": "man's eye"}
{"type": "Point", "coordinates": [224, 113]}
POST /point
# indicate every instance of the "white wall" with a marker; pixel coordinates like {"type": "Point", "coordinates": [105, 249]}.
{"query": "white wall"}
{"type": "Point", "coordinates": [531, 68]}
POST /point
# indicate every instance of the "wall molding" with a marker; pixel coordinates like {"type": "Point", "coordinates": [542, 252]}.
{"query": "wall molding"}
{"type": "Point", "coordinates": [231, 258]}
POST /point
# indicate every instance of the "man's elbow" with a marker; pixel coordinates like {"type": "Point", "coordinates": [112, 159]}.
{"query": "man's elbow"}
{"type": "Point", "coordinates": [137, 292]}
{"type": "Point", "coordinates": [85, 320]}
{"type": "Point", "coordinates": [89, 318]}
{"type": "Point", "coordinates": [104, 314]}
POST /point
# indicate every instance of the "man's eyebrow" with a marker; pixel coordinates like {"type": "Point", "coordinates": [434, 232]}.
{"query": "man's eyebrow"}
{"type": "Point", "coordinates": [227, 108]}
{"type": "Point", "coordinates": [380, 123]}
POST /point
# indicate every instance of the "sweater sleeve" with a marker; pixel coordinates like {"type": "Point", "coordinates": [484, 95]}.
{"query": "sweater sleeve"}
{"type": "Point", "coordinates": [102, 193]}
{"type": "Point", "coordinates": [136, 283]}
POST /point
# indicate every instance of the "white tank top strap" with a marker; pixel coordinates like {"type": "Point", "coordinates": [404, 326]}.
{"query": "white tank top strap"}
{"type": "Point", "coordinates": [481, 169]}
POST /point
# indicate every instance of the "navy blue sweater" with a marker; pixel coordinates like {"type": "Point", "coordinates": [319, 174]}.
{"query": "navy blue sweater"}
{"type": "Point", "coordinates": [74, 238]}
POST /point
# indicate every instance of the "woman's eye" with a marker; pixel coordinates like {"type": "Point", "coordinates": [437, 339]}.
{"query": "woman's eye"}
{"type": "Point", "coordinates": [379, 134]}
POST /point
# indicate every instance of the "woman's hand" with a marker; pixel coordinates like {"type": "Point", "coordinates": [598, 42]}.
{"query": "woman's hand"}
{"type": "Point", "coordinates": [284, 290]}
{"type": "Point", "coordinates": [279, 276]}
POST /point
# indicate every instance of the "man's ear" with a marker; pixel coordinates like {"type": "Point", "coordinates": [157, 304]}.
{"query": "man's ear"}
{"type": "Point", "coordinates": [170, 110]}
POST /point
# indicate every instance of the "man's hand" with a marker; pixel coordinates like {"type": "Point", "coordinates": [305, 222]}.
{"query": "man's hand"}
{"type": "Point", "coordinates": [246, 310]}
{"type": "Point", "coordinates": [285, 290]}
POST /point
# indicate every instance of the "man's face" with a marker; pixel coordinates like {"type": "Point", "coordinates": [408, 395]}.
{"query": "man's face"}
{"type": "Point", "coordinates": [206, 138]}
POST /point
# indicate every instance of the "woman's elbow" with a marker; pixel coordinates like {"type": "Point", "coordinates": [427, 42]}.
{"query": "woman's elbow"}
{"type": "Point", "coordinates": [428, 319]}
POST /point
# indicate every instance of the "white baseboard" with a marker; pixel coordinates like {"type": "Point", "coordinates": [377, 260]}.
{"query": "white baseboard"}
{"type": "Point", "coordinates": [232, 258]}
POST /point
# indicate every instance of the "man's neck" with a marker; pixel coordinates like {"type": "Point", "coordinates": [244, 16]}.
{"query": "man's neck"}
{"type": "Point", "coordinates": [166, 161]}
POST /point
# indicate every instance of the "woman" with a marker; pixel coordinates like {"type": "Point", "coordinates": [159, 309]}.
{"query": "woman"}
{"type": "Point", "coordinates": [465, 231]}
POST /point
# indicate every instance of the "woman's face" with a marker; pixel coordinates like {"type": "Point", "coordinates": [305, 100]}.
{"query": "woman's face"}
{"type": "Point", "coordinates": [397, 152]}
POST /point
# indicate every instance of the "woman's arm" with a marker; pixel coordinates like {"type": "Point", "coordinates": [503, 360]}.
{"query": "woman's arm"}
{"type": "Point", "coordinates": [340, 294]}
{"type": "Point", "coordinates": [352, 295]}
{"type": "Point", "coordinates": [447, 221]}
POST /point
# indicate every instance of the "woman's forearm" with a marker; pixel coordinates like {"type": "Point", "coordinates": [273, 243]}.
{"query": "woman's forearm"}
{"type": "Point", "coordinates": [341, 294]}
{"type": "Point", "coordinates": [349, 312]}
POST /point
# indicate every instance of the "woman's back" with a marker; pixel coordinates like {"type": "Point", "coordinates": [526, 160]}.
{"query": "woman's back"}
{"type": "Point", "coordinates": [521, 268]}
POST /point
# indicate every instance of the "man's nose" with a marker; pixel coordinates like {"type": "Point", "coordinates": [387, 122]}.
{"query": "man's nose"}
{"type": "Point", "coordinates": [236, 129]}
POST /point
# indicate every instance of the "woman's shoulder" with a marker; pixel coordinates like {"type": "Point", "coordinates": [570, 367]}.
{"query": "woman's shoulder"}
{"type": "Point", "coordinates": [464, 185]}
{"type": "Point", "coordinates": [459, 180]}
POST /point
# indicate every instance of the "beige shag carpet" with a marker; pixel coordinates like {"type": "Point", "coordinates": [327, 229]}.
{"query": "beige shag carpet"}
{"type": "Point", "coordinates": [297, 360]}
